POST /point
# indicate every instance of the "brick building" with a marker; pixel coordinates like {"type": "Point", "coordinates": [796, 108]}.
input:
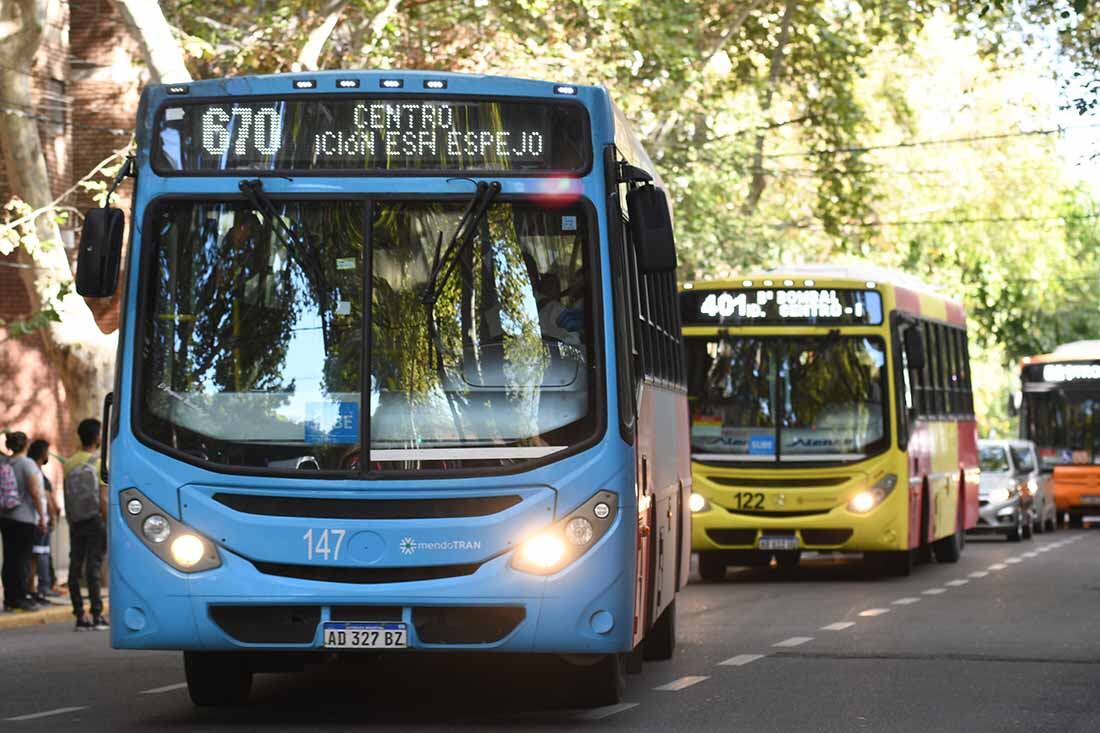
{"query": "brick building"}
{"type": "Point", "coordinates": [86, 83]}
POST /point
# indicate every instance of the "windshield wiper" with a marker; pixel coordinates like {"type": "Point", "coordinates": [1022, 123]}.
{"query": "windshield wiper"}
{"type": "Point", "coordinates": [258, 199]}
{"type": "Point", "coordinates": [445, 262]}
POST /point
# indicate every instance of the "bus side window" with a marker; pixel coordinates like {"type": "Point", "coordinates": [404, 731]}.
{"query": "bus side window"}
{"type": "Point", "coordinates": [968, 388]}
{"type": "Point", "coordinates": [951, 345]}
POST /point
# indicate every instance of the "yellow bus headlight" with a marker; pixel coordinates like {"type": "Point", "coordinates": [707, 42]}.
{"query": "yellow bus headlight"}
{"type": "Point", "coordinates": [868, 499]}
{"type": "Point", "coordinates": [698, 503]}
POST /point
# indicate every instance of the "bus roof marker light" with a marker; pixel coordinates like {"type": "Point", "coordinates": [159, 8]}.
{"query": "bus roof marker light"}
{"type": "Point", "coordinates": [788, 283]}
{"type": "Point", "coordinates": [566, 90]}
{"type": "Point", "coordinates": [347, 83]}
{"type": "Point", "coordinates": [768, 283]}
{"type": "Point", "coordinates": [391, 83]}
{"type": "Point", "coordinates": [808, 283]}
{"type": "Point", "coordinates": [872, 284]}
{"type": "Point", "coordinates": [305, 83]}
{"type": "Point", "coordinates": [688, 286]}
{"type": "Point", "coordinates": [178, 89]}
{"type": "Point", "coordinates": [746, 283]}
{"type": "Point", "coordinates": [435, 83]}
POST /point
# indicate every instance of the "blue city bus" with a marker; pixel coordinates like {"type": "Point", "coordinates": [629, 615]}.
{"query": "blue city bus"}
{"type": "Point", "coordinates": [512, 477]}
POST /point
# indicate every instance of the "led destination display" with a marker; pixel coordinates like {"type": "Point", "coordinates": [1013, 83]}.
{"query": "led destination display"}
{"type": "Point", "coordinates": [781, 306]}
{"type": "Point", "coordinates": [372, 135]}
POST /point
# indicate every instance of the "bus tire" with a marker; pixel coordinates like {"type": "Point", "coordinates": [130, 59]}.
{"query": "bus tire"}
{"type": "Point", "coordinates": [712, 566]}
{"type": "Point", "coordinates": [660, 642]}
{"type": "Point", "coordinates": [601, 683]}
{"type": "Point", "coordinates": [217, 680]}
{"type": "Point", "coordinates": [948, 549]}
{"type": "Point", "coordinates": [1075, 521]}
{"type": "Point", "coordinates": [788, 559]}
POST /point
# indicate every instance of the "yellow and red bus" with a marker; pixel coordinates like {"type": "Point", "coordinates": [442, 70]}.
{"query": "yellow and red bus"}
{"type": "Point", "coordinates": [832, 411]}
{"type": "Point", "coordinates": [1060, 412]}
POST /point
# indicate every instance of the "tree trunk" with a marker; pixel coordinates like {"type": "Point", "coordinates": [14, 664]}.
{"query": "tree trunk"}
{"type": "Point", "coordinates": [756, 188]}
{"type": "Point", "coordinates": [82, 353]}
{"type": "Point", "coordinates": [159, 47]}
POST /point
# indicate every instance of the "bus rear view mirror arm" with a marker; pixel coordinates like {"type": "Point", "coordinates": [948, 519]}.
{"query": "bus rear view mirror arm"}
{"type": "Point", "coordinates": [100, 252]}
{"type": "Point", "coordinates": [651, 228]}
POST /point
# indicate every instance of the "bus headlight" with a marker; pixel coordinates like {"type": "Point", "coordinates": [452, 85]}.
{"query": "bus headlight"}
{"type": "Point", "coordinates": [566, 540]}
{"type": "Point", "coordinates": [868, 499]}
{"type": "Point", "coordinates": [169, 539]}
{"type": "Point", "coordinates": [698, 503]}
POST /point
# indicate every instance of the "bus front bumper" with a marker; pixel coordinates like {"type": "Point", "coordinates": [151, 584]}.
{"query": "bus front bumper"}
{"type": "Point", "coordinates": [585, 608]}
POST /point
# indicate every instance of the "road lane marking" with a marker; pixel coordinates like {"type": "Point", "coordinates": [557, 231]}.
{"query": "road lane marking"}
{"type": "Point", "coordinates": [874, 612]}
{"type": "Point", "coordinates": [740, 660]}
{"type": "Point", "coordinates": [957, 583]}
{"type": "Point", "coordinates": [794, 641]}
{"type": "Point", "coordinates": [907, 601]}
{"type": "Point", "coordinates": [1031, 554]}
{"type": "Point", "coordinates": [979, 574]}
{"type": "Point", "coordinates": [607, 711]}
{"type": "Point", "coordinates": [166, 688]}
{"type": "Point", "coordinates": [839, 626]}
{"type": "Point", "coordinates": [998, 566]}
{"type": "Point", "coordinates": [46, 713]}
{"type": "Point", "coordinates": [677, 685]}
{"type": "Point", "coordinates": [934, 591]}
{"type": "Point", "coordinates": [1013, 561]}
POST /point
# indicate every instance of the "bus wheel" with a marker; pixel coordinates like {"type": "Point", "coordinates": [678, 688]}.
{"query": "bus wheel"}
{"type": "Point", "coordinates": [712, 566]}
{"type": "Point", "coordinates": [949, 548]}
{"type": "Point", "coordinates": [1075, 521]}
{"type": "Point", "coordinates": [217, 680]}
{"type": "Point", "coordinates": [600, 683]}
{"type": "Point", "coordinates": [660, 642]}
{"type": "Point", "coordinates": [788, 559]}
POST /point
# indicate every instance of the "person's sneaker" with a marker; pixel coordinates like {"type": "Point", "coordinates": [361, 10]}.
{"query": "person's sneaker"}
{"type": "Point", "coordinates": [100, 624]}
{"type": "Point", "coordinates": [84, 624]}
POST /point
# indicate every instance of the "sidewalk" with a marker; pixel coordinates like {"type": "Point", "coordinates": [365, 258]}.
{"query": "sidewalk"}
{"type": "Point", "coordinates": [63, 612]}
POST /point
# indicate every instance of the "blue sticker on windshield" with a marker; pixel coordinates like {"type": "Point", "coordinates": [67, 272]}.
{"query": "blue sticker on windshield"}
{"type": "Point", "coordinates": [332, 422]}
{"type": "Point", "coordinates": [762, 445]}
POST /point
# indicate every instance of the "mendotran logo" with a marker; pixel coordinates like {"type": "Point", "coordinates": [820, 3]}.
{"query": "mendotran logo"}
{"type": "Point", "coordinates": [409, 545]}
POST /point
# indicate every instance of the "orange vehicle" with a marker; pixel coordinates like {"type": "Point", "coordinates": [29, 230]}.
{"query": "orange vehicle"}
{"type": "Point", "coordinates": [1060, 412]}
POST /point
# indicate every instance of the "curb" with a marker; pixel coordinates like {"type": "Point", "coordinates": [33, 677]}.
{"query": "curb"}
{"type": "Point", "coordinates": [43, 617]}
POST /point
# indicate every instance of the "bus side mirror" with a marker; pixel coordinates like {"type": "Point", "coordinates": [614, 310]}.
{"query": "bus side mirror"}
{"type": "Point", "coordinates": [100, 252]}
{"type": "Point", "coordinates": [1014, 400]}
{"type": "Point", "coordinates": [651, 227]}
{"type": "Point", "coordinates": [914, 350]}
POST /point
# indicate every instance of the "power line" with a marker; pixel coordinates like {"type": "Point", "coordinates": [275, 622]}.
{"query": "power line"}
{"type": "Point", "coordinates": [935, 222]}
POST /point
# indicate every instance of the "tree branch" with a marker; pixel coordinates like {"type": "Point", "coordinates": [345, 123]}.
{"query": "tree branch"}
{"type": "Point", "coordinates": [159, 47]}
{"type": "Point", "coordinates": [310, 55]}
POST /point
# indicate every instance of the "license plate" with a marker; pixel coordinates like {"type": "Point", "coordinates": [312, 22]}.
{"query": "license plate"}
{"type": "Point", "coordinates": [365, 635]}
{"type": "Point", "coordinates": [778, 543]}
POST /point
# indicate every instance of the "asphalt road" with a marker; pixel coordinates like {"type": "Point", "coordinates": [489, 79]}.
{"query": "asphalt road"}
{"type": "Point", "coordinates": [1008, 639]}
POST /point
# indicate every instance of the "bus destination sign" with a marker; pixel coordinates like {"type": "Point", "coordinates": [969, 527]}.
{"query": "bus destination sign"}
{"type": "Point", "coordinates": [781, 306]}
{"type": "Point", "coordinates": [1063, 372]}
{"type": "Point", "coordinates": [360, 135]}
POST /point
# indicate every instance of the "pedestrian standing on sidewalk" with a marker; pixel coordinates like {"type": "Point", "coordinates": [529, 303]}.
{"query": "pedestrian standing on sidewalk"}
{"type": "Point", "coordinates": [20, 497]}
{"type": "Point", "coordinates": [86, 508]}
{"type": "Point", "coordinates": [39, 452]}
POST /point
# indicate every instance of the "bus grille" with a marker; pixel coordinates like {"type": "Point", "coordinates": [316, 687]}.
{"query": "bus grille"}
{"type": "Point", "coordinates": [319, 508]}
{"type": "Point", "coordinates": [826, 536]}
{"type": "Point", "coordinates": [268, 624]}
{"type": "Point", "coordinates": [732, 536]}
{"type": "Point", "coordinates": [766, 513]}
{"type": "Point", "coordinates": [465, 624]}
{"type": "Point", "coordinates": [331, 574]}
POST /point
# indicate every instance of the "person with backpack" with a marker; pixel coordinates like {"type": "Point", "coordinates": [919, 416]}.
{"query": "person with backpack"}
{"type": "Point", "coordinates": [86, 509]}
{"type": "Point", "coordinates": [20, 497]}
{"type": "Point", "coordinates": [39, 452]}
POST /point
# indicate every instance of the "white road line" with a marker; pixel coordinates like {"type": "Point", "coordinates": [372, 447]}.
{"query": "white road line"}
{"type": "Point", "coordinates": [874, 612]}
{"type": "Point", "coordinates": [907, 601]}
{"type": "Point", "coordinates": [934, 591]}
{"type": "Point", "coordinates": [979, 574]}
{"type": "Point", "coordinates": [740, 660]}
{"type": "Point", "coordinates": [47, 713]}
{"type": "Point", "coordinates": [1013, 561]}
{"type": "Point", "coordinates": [998, 566]}
{"type": "Point", "coordinates": [794, 641]}
{"type": "Point", "coordinates": [606, 712]}
{"type": "Point", "coordinates": [166, 688]}
{"type": "Point", "coordinates": [677, 685]}
{"type": "Point", "coordinates": [1031, 554]}
{"type": "Point", "coordinates": [839, 626]}
{"type": "Point", "coordinates": [957, 583]}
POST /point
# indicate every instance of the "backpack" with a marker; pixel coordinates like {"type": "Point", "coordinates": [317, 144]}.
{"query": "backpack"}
{"type": "Point", "coordinates": [10, 497]}
{"type": "Point", "coordinates": [82, 491]}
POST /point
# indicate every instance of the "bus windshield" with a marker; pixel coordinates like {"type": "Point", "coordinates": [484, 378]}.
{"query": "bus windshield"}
{"type": "Point", "coordinates": [799, 398]}
{"type": "Point", "coordinates": [253, 342]}
{"type": "Point", "coordinates": [1064, 424]}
